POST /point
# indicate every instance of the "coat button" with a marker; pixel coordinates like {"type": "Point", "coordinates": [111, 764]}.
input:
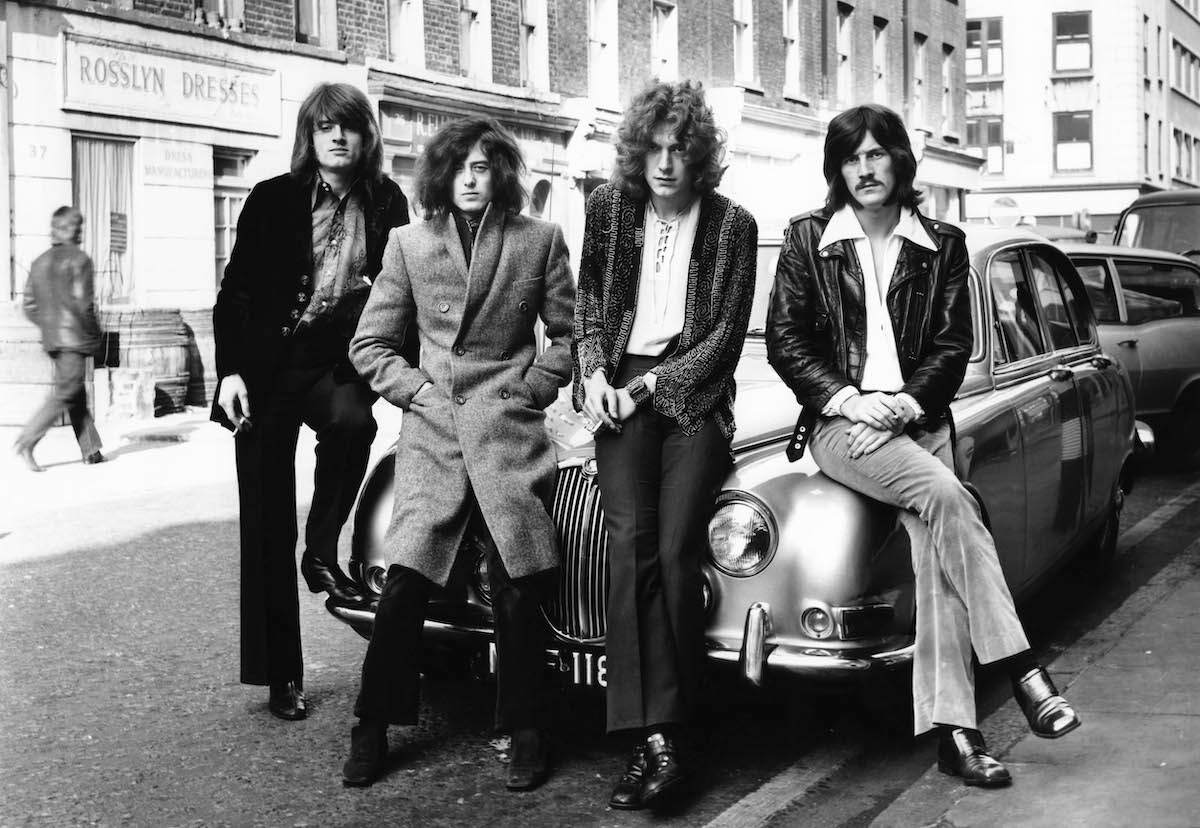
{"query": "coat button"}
{"type": "Point", "coordinates": [524, 306]}
{"type": "Point", "coordinates": [460, 399]}
{"type": "Point", "coordinates": [505, 355]}
{"type": "Point", "coordinates": [285, 330]}
{"type": "Point", "coordinates": [304, 279]}
{"type": "Point", "coordinates": [504, 395]}
{"type": "Point", "coordinates": [295, 314]}
{"type": "Point", "coordinates": [459, 350]}
{"type": "Point", "coordinates": [444, 307]}
{"type": "Point", "coordinates": [301, 296]}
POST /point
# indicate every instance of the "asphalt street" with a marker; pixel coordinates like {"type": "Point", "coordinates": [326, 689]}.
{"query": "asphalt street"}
{"type": "Point", "coordinates": [120, 705]}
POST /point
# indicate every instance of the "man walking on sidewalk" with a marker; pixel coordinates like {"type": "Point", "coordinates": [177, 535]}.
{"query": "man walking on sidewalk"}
{"type": "Point", "coordinates": [59, 299]}
{"type": "Point", "coordinates": [870, 326]}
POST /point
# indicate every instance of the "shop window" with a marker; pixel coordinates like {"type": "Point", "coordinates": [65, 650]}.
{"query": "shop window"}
{"type": "Point", "coordinates": [1072, 141]}
{"type": "Point", "coordinates": [744, 70]}
{"type": "Point", "coordinates": [664, 41]}
{"type": "Point", "coordinates": [316, 23]}
{"type": "Point", "coordinates": [602, 51]}
{"type": "Point", "coordinates": [102, 174]}
{"type": "Point", "coordinates": [539, 199]}
{"type": "Point", "coordinates": [1072, 41]}
{"type": "Point", "coordinates": [230, 189]}
{"type": "Point", "coordinates": [406, 32]}
{"type": "Point", "coordinates": [404, 173]}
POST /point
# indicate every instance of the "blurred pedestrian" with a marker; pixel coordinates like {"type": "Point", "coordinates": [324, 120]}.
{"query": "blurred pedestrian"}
{"type": "Point", "coordinates": [309, 244]}
{"type": "Point", "coordinates": [59, 299]}
{"type": "Point", "coordinates": [474, 458]}
{"type": "Point", "coordinates": [666, 283]}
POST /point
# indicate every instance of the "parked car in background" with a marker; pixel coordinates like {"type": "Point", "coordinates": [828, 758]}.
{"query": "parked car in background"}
{"type": "Point", "coordinates": [801, 575]}
{"type": "Point", "coordinates": [1147, 304]}
{"type": "Point", "coordinates": [1167, 220]}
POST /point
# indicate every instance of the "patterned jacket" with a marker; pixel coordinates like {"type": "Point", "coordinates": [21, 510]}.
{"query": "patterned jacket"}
{"type": "Point", "coordinates": [695, 381]}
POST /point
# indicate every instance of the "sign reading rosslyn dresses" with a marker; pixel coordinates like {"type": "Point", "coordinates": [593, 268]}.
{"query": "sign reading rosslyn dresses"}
{"type": "Point", "coordinates": [162, 85]}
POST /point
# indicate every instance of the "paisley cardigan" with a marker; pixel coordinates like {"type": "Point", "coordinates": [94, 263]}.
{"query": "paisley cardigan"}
{"type": "Point", "coordinates": [695, 381]}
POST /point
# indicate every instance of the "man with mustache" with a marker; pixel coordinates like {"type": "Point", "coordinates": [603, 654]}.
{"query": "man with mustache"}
{"type": "Point", "coordinates": [870, 326]}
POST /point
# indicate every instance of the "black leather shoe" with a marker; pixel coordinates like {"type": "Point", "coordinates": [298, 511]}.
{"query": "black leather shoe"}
{"type": "Point", "coordinates": [321, 577]}
{"type": "Point", "coordinates": [93, 458]}
{"type": "Point", "coordinates": [26, 455]}
{"type": "Point", "coordinates": [627, 794]}
{"type": "Point", "coordinates": [530, 762]}
{"type": "Point", "coordinates": [1048, 713]}
{"type": "Point", "coordinates": [287, 701]}
{"type": "Point", "coordinates": [963, 753]}
{"type": "Point", "coordinates": [664, 773]}
{"type": "Point", "coordinates": [368, 753]}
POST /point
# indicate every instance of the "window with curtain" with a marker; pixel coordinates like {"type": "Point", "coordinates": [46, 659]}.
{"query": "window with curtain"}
{"type": "Point", "coordinates": [230, 189]}
{"type": "Point", "coordinates": [102, 173]}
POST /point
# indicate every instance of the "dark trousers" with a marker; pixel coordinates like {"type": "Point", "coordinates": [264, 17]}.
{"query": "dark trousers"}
{"type": "Point", "coordinates": [305, 390]}
{"type": "Point", "coordinates": [390, 688]}
{"type": "Point", "coordinates": [69, 395]}
{"type": "Point", "coordinates": [657, 486]}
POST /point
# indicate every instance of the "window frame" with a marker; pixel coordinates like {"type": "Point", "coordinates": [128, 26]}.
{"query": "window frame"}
{"type": "Point", "coordinates": [983, 121]}
{"type": "Point", "coordinates": [1056, 41]}
{"type": "Point", "coordinates": [406, 32]}
{"type": "Point", "coordinates": [879, 58]}
{"type": "Point", "coordinates": [986, 25]}
{"type": "Point", "coordinates": [664, 39]}
{"type": "Point", "coordinates": [603, 55]}
{"type": "Point", "coordinates": [745, 56]}
{"type": "Point", "coordinates": [1091, 142]}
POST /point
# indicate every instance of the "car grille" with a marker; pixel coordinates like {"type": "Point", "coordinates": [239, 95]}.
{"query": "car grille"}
{"type": "Point", "coordinates": [578, 610]}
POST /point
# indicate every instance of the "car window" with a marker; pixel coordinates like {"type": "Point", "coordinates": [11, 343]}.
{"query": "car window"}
{"type": "Point", "coordinates": [1077, 307]}
{"type": "Point", "coordinates": [1173, 227]}
{"type": "Point", "coordinates": [1019, 337]}
{"type": "Point", "coordinates": [1054, 308]}
{"type": "Point", "coordinates": [1100, 289]}
{"type": "Point", "coordinates": [1156, 290]}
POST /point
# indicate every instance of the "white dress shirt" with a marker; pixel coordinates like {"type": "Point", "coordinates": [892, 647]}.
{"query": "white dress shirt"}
{"type": "Point", "coordinates": [881, 367]}
{"type": "Point", "coordinates": [662, 286]}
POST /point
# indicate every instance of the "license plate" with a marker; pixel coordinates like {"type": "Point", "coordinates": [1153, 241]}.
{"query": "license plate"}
{"type": "Point", "coordinates": [586, 669]}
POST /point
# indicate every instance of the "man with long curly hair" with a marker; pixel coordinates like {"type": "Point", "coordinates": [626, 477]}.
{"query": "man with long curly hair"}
{"type": "Point", "coordinates": [309, 244]}
{"type": "Point", "coordinates": [474, 459]}
{"type": "Point", "coordinates": [665, 288]}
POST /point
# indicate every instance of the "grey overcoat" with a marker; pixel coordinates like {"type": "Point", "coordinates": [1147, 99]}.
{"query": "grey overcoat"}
{"type": "Point", "coordinates": [480, 427]}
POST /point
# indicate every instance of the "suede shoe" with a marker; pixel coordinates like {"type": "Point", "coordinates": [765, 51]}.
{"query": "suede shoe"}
{"type": "Point", "coordinates": [664, 773]}
{"type": "Point", "coordinates": [963, 753]}
{"type": "Point", "coordinates": [368, 753]}
{"type": "Point", "coordinates": [627, 793]}
{"type": "Point", "coordinates": [1049, 715]}
{"type": "Point", "coordinates": [287, 701]}
{"type": "Point", "coordinates": [323, 577]}
{"type": "Point", "coordinates": [530, 762]}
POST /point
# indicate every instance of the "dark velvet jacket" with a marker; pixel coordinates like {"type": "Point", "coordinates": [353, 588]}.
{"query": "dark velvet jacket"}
{"type": "Point", "coordinates": [816, 323]}
{"type": "Point", "coordinates": [695, 381]}
{"type": "Point", "coordinates": [269, 278]}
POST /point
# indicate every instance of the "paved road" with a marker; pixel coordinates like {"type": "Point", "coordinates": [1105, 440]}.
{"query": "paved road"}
{"type": "Point", "coordinates": [119, 701]}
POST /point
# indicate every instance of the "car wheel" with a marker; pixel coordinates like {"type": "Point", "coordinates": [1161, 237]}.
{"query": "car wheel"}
{"type": "Point", "coordinates": [1184, 432]}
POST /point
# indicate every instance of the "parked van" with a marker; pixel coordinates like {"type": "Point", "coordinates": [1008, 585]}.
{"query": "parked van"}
{"type": "Point", "coordinates": [1168, 220]}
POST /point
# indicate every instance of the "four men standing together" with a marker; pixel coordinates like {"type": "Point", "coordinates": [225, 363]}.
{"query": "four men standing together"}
{"type": "Point", "coordinates": [449, 333]}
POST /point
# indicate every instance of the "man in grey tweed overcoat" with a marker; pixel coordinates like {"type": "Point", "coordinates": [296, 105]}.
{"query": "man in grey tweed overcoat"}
{"type": "Point", "coordinates": [473, 455]}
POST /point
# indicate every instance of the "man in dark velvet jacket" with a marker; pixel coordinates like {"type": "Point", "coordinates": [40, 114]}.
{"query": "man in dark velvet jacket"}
{"type": "Point", "coordinates": [309, 245]}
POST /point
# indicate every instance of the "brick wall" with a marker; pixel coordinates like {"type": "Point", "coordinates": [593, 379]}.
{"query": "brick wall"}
{"type": "Point", "coordinates": [506, 42]}
{"type": "Point", "coordinates": [633, 39]}
{"type": "Point", "coordinates": [441, 36]}
{"type": "Point", "coordinates": [695, 40]}
{"type": "Point", "coordinates": [271, 18]}
{"type": "Point", "coordinates": [568, 47]}
{"type": "Point", "coordinates": [179, 9]}
{"type": "Point", "coordinates": [362, 28]}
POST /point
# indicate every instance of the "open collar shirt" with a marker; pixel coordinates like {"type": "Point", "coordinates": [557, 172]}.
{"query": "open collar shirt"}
{"type": "Point", "coordinates": [662, 286]}
{"type": "Point", "coordinates": [881, 369]}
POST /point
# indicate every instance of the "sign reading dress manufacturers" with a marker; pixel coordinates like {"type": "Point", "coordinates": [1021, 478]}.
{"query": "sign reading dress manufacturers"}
{"type": "Point", "coordinates": [163, 85]}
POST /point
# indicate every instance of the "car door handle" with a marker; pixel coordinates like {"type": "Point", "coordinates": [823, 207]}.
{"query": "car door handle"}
{"type": "Point", "coordinates": [1128, 343]}
{"type": "Point", "coordinates": [1102, 361]}
{"type": "Point", "coordinates": [1060, 373]}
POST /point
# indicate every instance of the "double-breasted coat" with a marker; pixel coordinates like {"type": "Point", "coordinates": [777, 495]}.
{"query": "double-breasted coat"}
{"type": "Point", "coordinates": [479, 430]}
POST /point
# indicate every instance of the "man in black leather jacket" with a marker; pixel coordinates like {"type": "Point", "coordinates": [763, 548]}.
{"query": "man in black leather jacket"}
{"type": "Point", "coordinates": [870, 326]}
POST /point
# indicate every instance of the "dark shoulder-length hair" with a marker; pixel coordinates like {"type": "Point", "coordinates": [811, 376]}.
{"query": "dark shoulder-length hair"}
{"type": "Point", "coordinates": [846, 132]}
{"type": "Point", "coordinates": [682, 107]}
{"type": "Point", "coordinates": [448, 150]}
{"type": "Point", "coordinates": [338, 103]}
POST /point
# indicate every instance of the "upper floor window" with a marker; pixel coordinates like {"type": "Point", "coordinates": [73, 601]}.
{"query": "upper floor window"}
{"type": "Point", "coordinates": [475, 39]}
{"type": "Point", "coordinates": [845, 66]}
{"type": "Point", "coordinates": [1072, 41]}
{"type": "Point", "coordinates": [535, 50]}
{"type": "Point", "coordinates": [406, 32]}
{"type": "Point", "coordinates": [917, 116]}
{"type": "Point", "coordinates": [220, 14]}
{"type": "Point", "coordinates": [316, 23]}
{"type": "Point", "coordinates": [947, 87]}
{"type": "Point", "coordinates": [879, 59]}
{"type": "Point", "coordinates": [602, 51]}
{"type": "Point", "coordinates": [985, 47]}
{"type": "Point", "coordinates": [1072, 141]}
{"type": "Point", "coordinates": [664, 41]}
{"type": "Point", "coordinates": [743, 41]}
{"type": "Point", "coordinates": [986, 134]}
{"type": "Point", "coordinates": [791, 48]}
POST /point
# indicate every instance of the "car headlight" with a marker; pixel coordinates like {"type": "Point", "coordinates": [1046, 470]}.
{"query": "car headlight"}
{"type": "Point", "coordinates": [741, 536]}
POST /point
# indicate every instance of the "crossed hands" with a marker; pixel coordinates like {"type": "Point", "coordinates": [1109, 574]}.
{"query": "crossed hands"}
{"type": "Point", "coordinates": [877, 417]}
{"type": "Point", "coordinates": [604, 405]}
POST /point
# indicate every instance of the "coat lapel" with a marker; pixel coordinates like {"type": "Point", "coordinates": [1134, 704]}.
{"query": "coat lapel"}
{"type": "Point", "coordinates": [450, 241]}
{"type": "Point", "coordinates": [489, 243]}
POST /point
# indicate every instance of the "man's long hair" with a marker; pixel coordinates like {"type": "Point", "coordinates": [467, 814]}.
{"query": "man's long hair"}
{"type": "Point", "coordinates": [343, 104]}
{"type": "Point", "coordinates": [682, 107]}
{"type": "Point", "coordinates": [846, 132]}
{"type": "Point", "coordinates": [450, 147]}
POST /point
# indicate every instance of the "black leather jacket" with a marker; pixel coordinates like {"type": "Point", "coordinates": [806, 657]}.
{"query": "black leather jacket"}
{"type": "Point", "coordinates": [816, 324]}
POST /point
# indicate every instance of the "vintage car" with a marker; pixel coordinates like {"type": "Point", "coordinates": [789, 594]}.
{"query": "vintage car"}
{"type": "Point", "coordinates": [803, 576]}
{"type": "Point", "coordinates": [1167, 220]}
{"type": "Point", "coordinates": [1147, 308]}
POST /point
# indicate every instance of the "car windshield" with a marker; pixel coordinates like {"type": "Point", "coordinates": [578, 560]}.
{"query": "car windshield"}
{"type": "Point", "coordinates": [1172, 227]}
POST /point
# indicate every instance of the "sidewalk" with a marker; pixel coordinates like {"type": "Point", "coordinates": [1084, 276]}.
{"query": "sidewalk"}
{"type": "Point", "coordinates": [1134, 761]}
